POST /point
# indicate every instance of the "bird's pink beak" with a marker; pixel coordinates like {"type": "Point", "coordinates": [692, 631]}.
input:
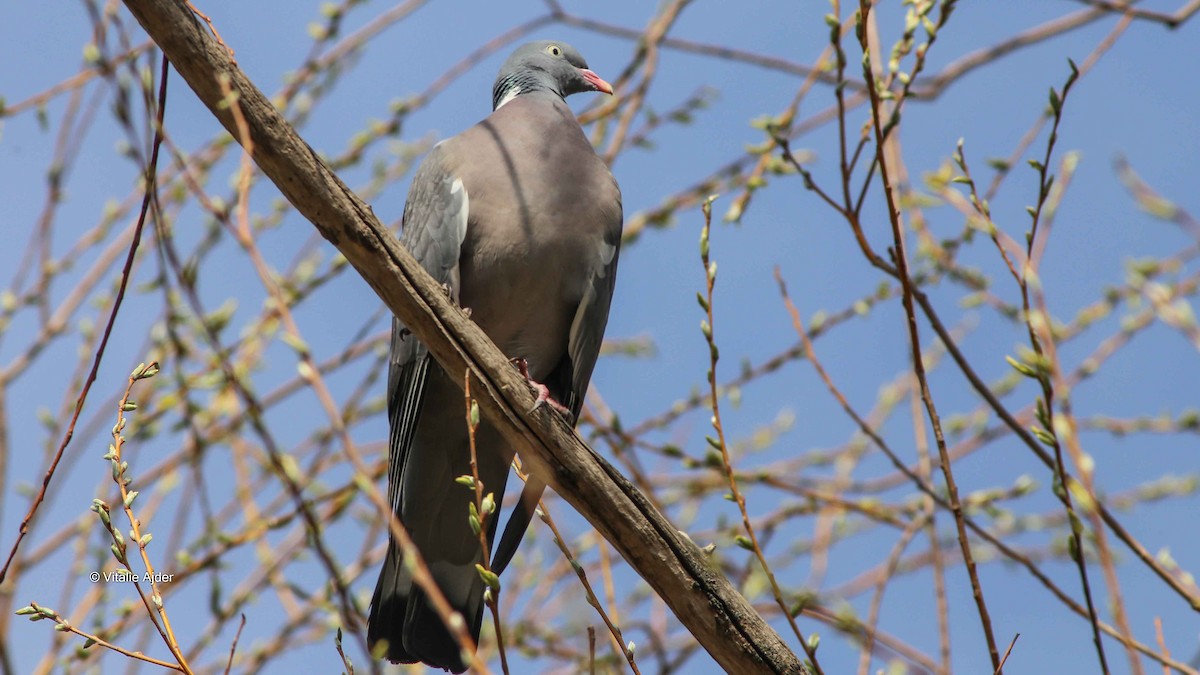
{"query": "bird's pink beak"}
{"type": "Point", "coordinates": [596, 81]}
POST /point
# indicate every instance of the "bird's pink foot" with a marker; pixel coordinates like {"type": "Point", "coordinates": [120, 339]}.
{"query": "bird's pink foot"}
{"type": "Point", "coordinates": [544, 398]}
{"type": "Point", "coordinates": [543, 392]}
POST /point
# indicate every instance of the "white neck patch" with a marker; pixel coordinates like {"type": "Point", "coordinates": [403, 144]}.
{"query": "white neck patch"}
{"type": "Point", "coordinates": [512, 93]}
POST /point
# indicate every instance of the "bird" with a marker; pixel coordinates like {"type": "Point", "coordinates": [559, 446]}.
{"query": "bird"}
{"type": "Point", "coordinates": [520, 221]}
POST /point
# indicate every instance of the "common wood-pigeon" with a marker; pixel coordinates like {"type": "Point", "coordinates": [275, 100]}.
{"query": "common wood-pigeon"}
{"type": "Point", "coordinates": [521, 221]}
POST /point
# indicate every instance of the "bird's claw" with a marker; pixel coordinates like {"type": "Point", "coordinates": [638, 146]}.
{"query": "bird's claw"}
{"type": "Point", "coordinates": [545, 399]}
{"type": "Point", "coordinates": [543, 392]}
{"type": "Point", "coordinates": [449, 291]}
{"type": "Point", "coordinates": [522, 367]}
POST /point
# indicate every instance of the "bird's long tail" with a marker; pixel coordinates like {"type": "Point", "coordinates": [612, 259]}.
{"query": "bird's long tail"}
{"type": "Point", "coordinates": [403, 625]}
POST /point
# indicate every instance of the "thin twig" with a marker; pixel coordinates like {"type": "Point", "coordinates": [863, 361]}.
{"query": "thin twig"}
{"type": "Point", "coordinates": [38, 613]}
{"type": "Point", "coordinates": [750, 540]}
{"type": "Point", "coordinates": [238, 636]}
{"type": "Point", "coordinates": [626, 650]}
{"type": "Point", "coordinates": [483, 509]}
{"type": "Point", "coordinates": [1007, 652]}
{"type": "Point", "coordinates": [151, 168]}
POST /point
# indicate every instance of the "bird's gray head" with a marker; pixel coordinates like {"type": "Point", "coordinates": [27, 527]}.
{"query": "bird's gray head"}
{"type": "Point", "coordinates": [548, 65]}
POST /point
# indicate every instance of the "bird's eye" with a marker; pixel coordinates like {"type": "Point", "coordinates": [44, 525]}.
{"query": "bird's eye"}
{"type": "Point", "coordinates": [553, 50]}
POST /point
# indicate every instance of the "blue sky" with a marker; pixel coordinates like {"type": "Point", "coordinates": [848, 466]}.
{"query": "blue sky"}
{"type": "Point", "coordinates": [1138, 102]}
